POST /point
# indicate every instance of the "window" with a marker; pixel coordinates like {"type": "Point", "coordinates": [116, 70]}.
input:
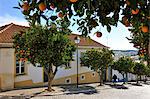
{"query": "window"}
{"type": "Point", "coordinates": [74, 56]}
{"type": "Point", "coordinates": [81, 55]}
{"type": "Point", "coordinates": [82, 77]}
{"type": "Point", "coordinates": [68, 81]}
{"type": "Point", "coordinates": [67, 66]}
{"type": "Point", "coordinates": [20, 67]}
{"type": "Point", "coordinates": [93, 74]}
{"type": "Point", "coordinates": [38, 65]}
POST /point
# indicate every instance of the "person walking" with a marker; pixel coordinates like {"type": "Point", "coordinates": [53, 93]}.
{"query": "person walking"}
{"type": "Point", "coordinates": [114, 78]}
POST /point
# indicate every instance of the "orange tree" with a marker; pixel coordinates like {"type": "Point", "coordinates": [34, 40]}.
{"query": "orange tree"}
{"type": "Point", "coordinates": [97, 60]}
{"type": "Point", "coordinates": [48, 46]}
{"type": "Point", "coordinates": [139, 69]}
{"type": "Point", "coordinates": [89, 14]}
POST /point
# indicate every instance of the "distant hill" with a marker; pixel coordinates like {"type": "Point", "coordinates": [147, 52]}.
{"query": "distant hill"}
{"type": "Point", "coordinates": [129, 53]}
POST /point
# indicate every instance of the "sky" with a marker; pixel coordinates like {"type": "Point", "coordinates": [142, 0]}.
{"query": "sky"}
{"type": "Point", "coordinates": [116, 39]}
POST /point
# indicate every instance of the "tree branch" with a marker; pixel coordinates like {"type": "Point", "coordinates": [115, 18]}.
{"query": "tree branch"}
{"type": "Point", "coordinates": [56, 69]}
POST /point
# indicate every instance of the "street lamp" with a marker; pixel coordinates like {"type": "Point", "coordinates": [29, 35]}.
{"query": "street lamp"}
{"type": "Point", "coordinates": [77, 41]}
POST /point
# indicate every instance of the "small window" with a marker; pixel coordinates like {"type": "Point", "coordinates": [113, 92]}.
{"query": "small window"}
{"type": "Point", "coordinates": [74, 56]}
{"type": "Point", "coordinates": [81, 55]}
{"type": "Point", "coordinates": [93, 74]}
{"type": "Point", "coordinates": [38, 65]}
{"type": "Point", "coordinates": [67, 66]}
{"type": "Point", "coordinates": [82, 77]}
{"type": "Point", "coordinates": [68, 81]}
{"type": "Point", "coordinates": [20, 67]}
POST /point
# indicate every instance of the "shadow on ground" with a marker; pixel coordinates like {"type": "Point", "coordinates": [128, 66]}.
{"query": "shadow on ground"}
{"type": "Point", "coordinates": [146, 83]}
{"type": "Point", "coordinates": [118, 86]}
{"type": "Point", "coordinates": [81, 89]}
{"type": "Point", "coordinates": [135, 83]}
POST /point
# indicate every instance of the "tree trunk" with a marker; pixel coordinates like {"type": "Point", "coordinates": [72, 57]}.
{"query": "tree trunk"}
{"type": "Point", "coordinates": [100, 77]}
{"type": "Point", "coordinates": [51, 76]}
{"type": "Point", "coordinates": [123, 78]}
{"type": "Point", "coordinates": [127, 77]}
{"type": "Point", "coordinates": [50, 79]}
{"type": "Point", "coordinates": [145, 79]}
{"type": "Point", "coordinates": [149, 43]}
{"type": "Point", "coordinates": [137, 81]}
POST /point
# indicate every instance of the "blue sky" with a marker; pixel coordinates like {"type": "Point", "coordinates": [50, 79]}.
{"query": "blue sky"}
{"type": "Point", "coordinates": [115, 39]}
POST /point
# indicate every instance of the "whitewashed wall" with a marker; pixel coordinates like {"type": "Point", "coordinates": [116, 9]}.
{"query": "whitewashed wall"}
{"type": "Point", "coordinates": [62, 72]}
{"type": "Point", "coordinates": [119, 75]}
{"type": "Point", "coordinates": [33, 73]}
{"type": "Point", "coordinates": [36, 73]}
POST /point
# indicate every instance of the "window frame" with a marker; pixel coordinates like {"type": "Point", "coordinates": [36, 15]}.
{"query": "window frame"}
{"type": "Point", "coordinates": [83, 75]}
{"type": "Point", "coordinates": [69, 81]}
{"type": "Point", "coordinates": [20, 65]}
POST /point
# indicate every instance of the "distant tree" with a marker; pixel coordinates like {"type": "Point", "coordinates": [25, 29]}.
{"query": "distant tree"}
{"type": "Point", "coordinates": [147, 73]}
{"type": "Point", "coordinates": [97, 60]}
{"type": "Point", "coordinates": [139, 69]}
{"type": "Point", "coordinates": [48, 46]}
{"type": "Point", "coordinates": [123, 65]}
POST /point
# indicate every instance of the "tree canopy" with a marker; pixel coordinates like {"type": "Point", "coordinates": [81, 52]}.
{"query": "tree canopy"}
{"type": "Point", "coordinates": [139, 68]}
{"type": "Point", "coordinates": [123, 65]}
{"type": "Point", "coordinates": [89, 14]}
{"type": "Point", "coordinates": [49, 47]}
{"type": "Point", "coordinates": [97, 60]}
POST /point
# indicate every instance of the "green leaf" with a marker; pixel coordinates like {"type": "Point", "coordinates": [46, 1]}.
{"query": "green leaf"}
{"type": "Point", "coordinates": [108, 28]}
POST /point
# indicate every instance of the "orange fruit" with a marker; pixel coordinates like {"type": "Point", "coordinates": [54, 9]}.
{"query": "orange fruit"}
{"type": "Point", "coordinates": [25, 59]}
{"type": "Point", "coordinates": [17, 46]}
{"type": "Point", "coordinates": [60, 14]}
{"type": "Point", "coordinates": [42, 6]}
{"type": "Point", "coordinates": [144, 29]}
{"type": "Point", "coordinates": [135, 11]}
{"type": "Point", "coordinates": [73, 1]}
{"type": "Point", "coordinates": [21, 59]}
{"type": "Point", "coordinates": [127, 23]}
{"type": "Point", "coordinates": [25, 6]}
{"type": "Point", "coordinates": [127, 2]}
{"type": "Point", "coordinates": [148, 17]}
{"type": "Point", "coordinates": [98, 34]}
{"type": "Point", "coordinates": [124, 18]}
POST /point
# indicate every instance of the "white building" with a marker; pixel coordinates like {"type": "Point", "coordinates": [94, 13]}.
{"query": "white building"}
{"type": "Point", "coordinates": [18, 74]}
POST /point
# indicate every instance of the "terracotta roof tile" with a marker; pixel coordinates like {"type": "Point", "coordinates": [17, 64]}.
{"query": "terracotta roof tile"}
{"type": "Point", "coordinates": [86, 41]}
{"type": "Point", "coordinates": [7, 32]}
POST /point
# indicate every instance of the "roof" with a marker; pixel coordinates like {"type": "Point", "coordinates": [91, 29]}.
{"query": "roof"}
{"type": "Point", "coordinates": [86, 41]}
{"type": "Point", "coordinates": [8, 31]}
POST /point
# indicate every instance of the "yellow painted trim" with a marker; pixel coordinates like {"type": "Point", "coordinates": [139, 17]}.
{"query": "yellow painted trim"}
{"type": "Point", "coordinates": [24, 83]}
{"type": "Point", "coordinates": [28, 83]}
{"type": "Point", "coordinates": [89, 78]}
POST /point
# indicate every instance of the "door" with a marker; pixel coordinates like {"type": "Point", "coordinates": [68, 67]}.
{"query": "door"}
{"type": "Point", "coordinates": [45, 77]}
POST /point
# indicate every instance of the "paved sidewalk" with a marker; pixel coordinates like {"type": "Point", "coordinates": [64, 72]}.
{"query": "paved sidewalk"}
{"type": "Point", "coordinates": [59, 90]}
{"type": "Point", "coordinates": [71, 90]}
